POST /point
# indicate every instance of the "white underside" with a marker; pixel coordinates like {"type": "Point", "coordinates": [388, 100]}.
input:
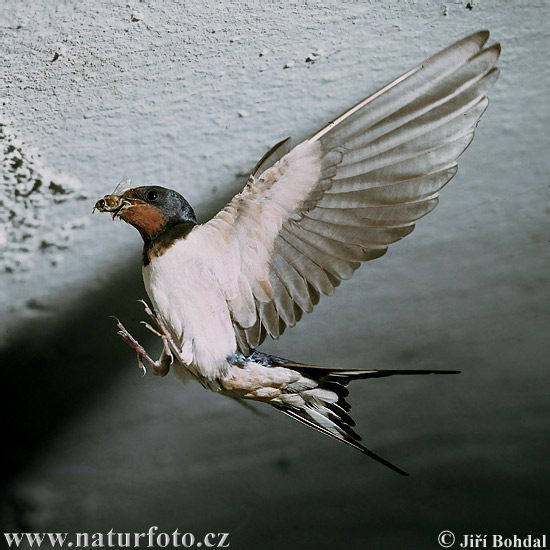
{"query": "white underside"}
{"type": "Point", "coordinates": [188, 286]}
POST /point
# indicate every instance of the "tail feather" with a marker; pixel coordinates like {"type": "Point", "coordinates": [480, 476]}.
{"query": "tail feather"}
{"type": "Point", "coordinates": [342, 413]}
{"type": "Point", "coordinates": [300, 415]}
{"type": "Point", "coordinates": [344, 377]}
{"type": "Point", "coordinates": [328, 412]}
{"type": "Point", "coordinates": [317, 397]}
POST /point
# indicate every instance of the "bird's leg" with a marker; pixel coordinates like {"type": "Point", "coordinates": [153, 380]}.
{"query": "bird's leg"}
{"type": "Point", "coordinates": [170, 347]}
{"type": "Point", "coordinates": [164, 338]}
{"type": "Point", "coordinates": [160, 367]}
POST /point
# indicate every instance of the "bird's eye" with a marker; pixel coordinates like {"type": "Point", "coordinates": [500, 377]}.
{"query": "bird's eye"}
{"type": "Point", "coordinates": [152, 195]}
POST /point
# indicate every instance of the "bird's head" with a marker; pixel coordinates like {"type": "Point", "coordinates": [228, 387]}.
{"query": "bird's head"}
{"type": "Point", "coordinates": [151, 209]}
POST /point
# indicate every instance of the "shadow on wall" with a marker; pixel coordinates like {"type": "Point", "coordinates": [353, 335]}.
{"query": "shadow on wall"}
{"type": "Point", "coordinates": [53, 369]}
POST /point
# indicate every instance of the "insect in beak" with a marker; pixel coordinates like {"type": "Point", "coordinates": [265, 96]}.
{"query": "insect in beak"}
{"type": "Point", "coordinates": [115, 203]}
{"type": "Point", "coordinates": [117, 200]}
{"type": "Point", "coordinates": [111, 203]}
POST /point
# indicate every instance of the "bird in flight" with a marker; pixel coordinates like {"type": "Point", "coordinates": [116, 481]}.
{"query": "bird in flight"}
{"type": "Point", "coordinates": [306, 219]}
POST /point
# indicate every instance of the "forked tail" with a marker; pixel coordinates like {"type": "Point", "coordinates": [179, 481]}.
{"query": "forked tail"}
{"type": "Point", "coordinates": [324, 406]}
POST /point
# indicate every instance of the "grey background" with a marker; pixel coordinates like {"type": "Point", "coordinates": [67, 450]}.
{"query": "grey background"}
{"type": "Point", "coordinates": [190, 96]}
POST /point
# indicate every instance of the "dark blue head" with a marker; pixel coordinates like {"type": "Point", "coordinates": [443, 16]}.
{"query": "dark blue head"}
{"type": "Point", "coordinates": [152, 210]}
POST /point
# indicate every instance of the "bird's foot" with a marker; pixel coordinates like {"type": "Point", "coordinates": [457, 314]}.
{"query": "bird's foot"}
{"type": "Point", "coordinates": [170, 347]}
{"type": "Point", "coordinates": [160, 367]}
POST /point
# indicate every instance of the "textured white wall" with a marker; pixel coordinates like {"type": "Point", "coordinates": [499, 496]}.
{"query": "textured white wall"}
{"type": "Point", "coordinates": [189, 95]}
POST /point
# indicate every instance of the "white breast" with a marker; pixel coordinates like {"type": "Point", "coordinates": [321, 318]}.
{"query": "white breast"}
{"type": "Point", "coordinates": [189, 286]}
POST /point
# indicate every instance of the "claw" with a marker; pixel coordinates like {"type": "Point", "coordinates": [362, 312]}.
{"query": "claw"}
{"type": "Point", "coordinates": [159, 368]}
{"type": "Point", "coordinates": [140, 363]}
{"type": "Point", "coordinates": [171, 349]}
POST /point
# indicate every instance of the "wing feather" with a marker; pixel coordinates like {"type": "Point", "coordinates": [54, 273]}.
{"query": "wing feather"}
{"type": "Point", "coordinates": [295, 284]}
{"type": "Point", "coordinates": [283, 302]}
{"type": "Point", "coordinates": [309, 216]}
{"type": "Point", "coordinates": [306, 267]}
{"type": "Point", "coordinates": [403, 191]}
{"type": "Point", "coordinates": [364, 236]}
{"type": "Point", "coordinates": [339, 268]}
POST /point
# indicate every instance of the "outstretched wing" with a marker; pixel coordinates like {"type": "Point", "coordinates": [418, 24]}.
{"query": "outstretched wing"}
{"type": "Point", "coordinates": [307, 218]}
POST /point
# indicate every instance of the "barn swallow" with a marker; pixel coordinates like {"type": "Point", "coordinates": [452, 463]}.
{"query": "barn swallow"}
{"type": "Point", "coordinates": [305, 221]}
